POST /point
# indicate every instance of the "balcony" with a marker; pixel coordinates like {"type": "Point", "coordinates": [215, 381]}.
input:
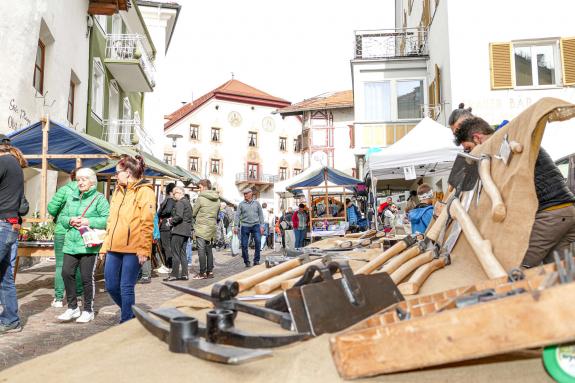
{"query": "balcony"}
{"type": "Point", "coordinates": [317, 137]}
{"type": "Point", "coordinates": [129, 62]}
{"type": "Point", "coordinates": [390, 43]}
{"type": "Point", "coordinates": [259, 182]}
{"type": "Point", "coordinates": [126, 133]}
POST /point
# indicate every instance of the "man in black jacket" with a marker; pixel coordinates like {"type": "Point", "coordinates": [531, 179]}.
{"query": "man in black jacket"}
{"type": "Point", "coordinates": [554, 226]}
{"type": "Point", "coordinates": [164, 215]}
{"type": "Point", "coordinates": [181, 231]}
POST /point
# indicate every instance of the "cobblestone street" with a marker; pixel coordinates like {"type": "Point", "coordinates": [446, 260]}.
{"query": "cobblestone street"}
{"type": "Point", "coordinates": [42, 333]}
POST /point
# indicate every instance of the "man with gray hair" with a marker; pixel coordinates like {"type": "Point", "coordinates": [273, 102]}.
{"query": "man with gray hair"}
{"type": "Point", "coordinates": [250, 219]}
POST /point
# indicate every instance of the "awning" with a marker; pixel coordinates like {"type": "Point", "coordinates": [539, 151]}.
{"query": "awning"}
{"type": "Point", "coordinates": [318, 177]}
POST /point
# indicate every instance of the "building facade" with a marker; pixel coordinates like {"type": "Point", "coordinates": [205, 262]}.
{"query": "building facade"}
{"type": "Point", "coordinates": [234, 137]}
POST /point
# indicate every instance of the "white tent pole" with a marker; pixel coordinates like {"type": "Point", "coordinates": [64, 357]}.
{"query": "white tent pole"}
{"type": "Point", "coordinates": [374, 192]}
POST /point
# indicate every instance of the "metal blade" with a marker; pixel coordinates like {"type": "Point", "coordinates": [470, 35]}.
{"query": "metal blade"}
{"type": "Point", "coordinates": [194, 292]}
{"type": "Point", "coordinates": [504, 151]}
{"type": "Point", "coordinates": [465, 172]}
{"type": "Point", "coordinates": [451, 240]}
{"type": "Point", "coordinates": [223, 354]}
{"type": "Point", "coordinates": [159, 329]}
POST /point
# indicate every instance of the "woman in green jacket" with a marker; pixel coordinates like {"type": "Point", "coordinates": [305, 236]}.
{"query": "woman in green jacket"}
{"type": "Point", "coordinates": [85, 208]}
{"type": "Point", "coordinates": [55, 208]}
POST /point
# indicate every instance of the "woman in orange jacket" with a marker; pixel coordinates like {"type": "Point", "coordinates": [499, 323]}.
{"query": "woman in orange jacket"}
{"type": "Point", "coordinates": [129, 232]}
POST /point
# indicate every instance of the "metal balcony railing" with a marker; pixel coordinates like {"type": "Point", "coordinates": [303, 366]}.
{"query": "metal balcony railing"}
{"type": "Point", "coordinates": [130, 47]}
{"type": "Point", "coordinates": [431, 111]}
{"type": "Point", "coordinates": [389, 43]}
{"type": "Point", "coordinates": [256, 178]}
{"type": "Point", "coordinates": [125, 133]}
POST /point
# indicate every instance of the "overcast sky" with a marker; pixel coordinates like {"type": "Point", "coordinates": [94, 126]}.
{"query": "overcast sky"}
{"type": "Point", "coordinates": [290, 49]}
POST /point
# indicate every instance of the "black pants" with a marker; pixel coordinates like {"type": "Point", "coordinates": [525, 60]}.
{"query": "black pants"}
{"type": "Point", "coordinates": [179, 259]}
{"type": "Point", "coordinates": [166, 243]}
{"type": "Point", "coordinates": [87, 264]}
{"type": "Point", "coordinates": [205, 255]}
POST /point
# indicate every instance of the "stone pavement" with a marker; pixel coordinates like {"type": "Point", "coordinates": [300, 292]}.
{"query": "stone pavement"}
{"type": "Point", "coordinates": [42, 333]}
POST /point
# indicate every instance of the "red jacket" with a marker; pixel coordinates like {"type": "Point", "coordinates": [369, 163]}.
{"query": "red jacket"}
{"type": "Point", "coordinates": [382, 207]}
{"type": "Point", "coordinates": [295, 220]}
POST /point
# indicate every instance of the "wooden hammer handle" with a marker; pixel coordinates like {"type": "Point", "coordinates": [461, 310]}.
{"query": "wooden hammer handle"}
{"type": "Point", "coordinates": [275, 282]}
{"type": "Point", "coordinates": [382, 258]}
{"type": "Point", "coordinates": [252, 280]}
{"type": "Point", "coordinates": [412, 286]}
{"type": "Point", "coordinates": [435, 229]}
{"type": "Point", "coordinates": [407, 268]}
{"type": "Point", "coordinates": [480, 246]}
{"type": "Point", "coordinates": [498, 210]}
{"type": "Point", "coordinates": [396, 262]}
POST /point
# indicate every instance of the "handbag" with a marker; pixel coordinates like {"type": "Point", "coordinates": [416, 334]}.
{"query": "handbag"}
{"type": "Point", "coordinates": [91, 237]}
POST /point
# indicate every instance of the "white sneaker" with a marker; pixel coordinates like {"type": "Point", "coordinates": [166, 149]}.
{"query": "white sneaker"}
{"type": "Point", "coordinates": [163, 270]}
{"type": "Point", "coordinates": [70, 314]}
{"type": "Point", "coordinates": [85, 317]}
{"type": "Point", "coordinates": [57, 304]}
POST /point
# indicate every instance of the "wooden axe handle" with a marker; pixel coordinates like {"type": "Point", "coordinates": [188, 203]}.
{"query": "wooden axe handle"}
{"type": "Point", "coordinates": [407, 268]}
{"type": "Point", "coordinates": [498, 210]}
{"type": "Point", "coordinates": [516, 147]}
{"type": "Point", "coordinates": [252, 280]}
{"type": "Point", "coordinates": [382, 258]}
{"type": "Point", "coordinates": [412, 286]}
{"type": "Point", "coordinates": [480, 246]}
{"type": "Point", "coordinates": [275, 282]}
{"type": "Point", "coordinates": [396, 262]}
{"type": "Point", "coordinates": [434, 230]}
{"type": "Point", "coordinates": [288, 284]}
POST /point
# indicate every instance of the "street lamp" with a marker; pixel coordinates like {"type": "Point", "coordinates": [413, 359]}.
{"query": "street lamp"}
{"type": "Point", "coordinates": [174, 138]}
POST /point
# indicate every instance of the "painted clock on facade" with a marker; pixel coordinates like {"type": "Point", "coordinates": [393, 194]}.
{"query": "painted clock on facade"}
{"type": "Point", "coordinates": [235, 119]}
{"type": "Point", "coordinates": [268, 124]}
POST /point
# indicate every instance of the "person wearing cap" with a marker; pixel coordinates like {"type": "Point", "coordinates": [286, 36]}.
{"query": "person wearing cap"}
{"type": "Point", "coordinates": [250, 219]}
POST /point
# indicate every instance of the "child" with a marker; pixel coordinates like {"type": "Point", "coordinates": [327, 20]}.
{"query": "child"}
{"type": "Point", "coordinates": [421, 215]}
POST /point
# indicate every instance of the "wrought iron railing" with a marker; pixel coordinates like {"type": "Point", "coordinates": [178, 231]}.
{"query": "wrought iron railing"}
{"type": "Point", "coordinates": [130, 47]}
{"type": "Point", "coordinates": [125, 133]}
{"type": "Point", "coordinates": [389, 43]}
{"type": "Point", "coordinates": [257, 178]}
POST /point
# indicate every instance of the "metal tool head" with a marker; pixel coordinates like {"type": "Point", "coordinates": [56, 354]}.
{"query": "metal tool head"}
{"type": "Point", "coordinates": [464, 173]}
{"type": "Point", "coordinates": [504, 153]}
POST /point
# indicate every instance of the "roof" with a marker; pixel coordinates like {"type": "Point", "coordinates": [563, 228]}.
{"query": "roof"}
{"type": "Point", "coordinates": [233, 90]}
{"type": "Point", "coordinates": [330, 100]}
{"type": "Point", "coordinates": [319, 176]}
{"type": "Point", "coordinates": [171, 22]}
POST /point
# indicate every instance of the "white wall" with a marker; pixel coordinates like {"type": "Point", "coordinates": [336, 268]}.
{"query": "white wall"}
{"type": "Point", "coordinates": [19, 34]}
{"type": "Point", "coordinates": [344, 158]}
{"type": "Point", "coordinates": [233, 149]}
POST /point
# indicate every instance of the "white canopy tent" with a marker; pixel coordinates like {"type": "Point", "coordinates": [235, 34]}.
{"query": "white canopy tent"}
{"type": "Point", "coordinates": [428, 147]}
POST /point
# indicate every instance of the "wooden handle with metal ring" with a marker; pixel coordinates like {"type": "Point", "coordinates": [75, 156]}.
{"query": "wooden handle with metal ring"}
{"type": "Point", "coordinates": [516, 147]}
{"type": "Point", "coordinates": [412, 286]}
{"type": "Point", "coordinates": [252, 280]}
{"type": "Point", "coordinates": [481, 247]}
{"type": "Point", "coordinates": [382, 258]}
{"type": "Point", "coordinates": [275, 282]}
{"type": "Point", "coordinates": [498, 209]}
{"type": "Point", "coordinates": [396, 262]}
{"type": "Point", "coordinates": [435, 229]}
{"type": "Point", "coordinates": [408, 267]}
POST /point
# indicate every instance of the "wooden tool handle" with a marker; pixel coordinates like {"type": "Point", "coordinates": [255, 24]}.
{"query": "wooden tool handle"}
{"type": "Point", "coordinates": [289, 283]}
{"type": "Point", "coordinates": [382, 258]}
{"type": "Point", "coordinates": [275, 282]}
{"type": "Point", "coordinates": [412, 286]}
{"type": "Point", "coordinates": [498, 210]}
{"type": "Point", "coordinates": [516, 147]}
{"type": "Point", "coordinates": [434, 230]}
{"type": "Point", "coordinates": [251, 281]}
{"type": "Point", "coordinates": [396, 262]}
{"type": "Point", "coordinates": [480, 246]}
{"type": "Point", "coordinates": [407, 268]}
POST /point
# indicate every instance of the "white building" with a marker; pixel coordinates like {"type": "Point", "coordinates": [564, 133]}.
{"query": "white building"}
{"type": "Point", "coordinates": [44, 63]}
{"type": "Point", "coordinates": [233, 136]}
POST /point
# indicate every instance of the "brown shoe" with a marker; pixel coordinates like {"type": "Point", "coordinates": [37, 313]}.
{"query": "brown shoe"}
{"type": "Point", "coordinates": [209, 275]}
{"type": "Point", "coordinates": [199, 276]}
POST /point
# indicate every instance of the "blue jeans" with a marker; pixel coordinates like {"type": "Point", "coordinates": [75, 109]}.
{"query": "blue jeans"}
{"type": "Point", "coordinates": [189, 251]}
{"type": "Point", "coordinates": [245, 237]}
{"type": "Point", "coordinates": [121, 273]}
{"type": "Point", "coordinates": [8, 252]}
{"type": "Point", "coordinates": [299, 237]}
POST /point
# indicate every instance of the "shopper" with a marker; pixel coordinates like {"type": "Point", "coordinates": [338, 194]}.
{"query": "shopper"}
{"type": "Point", "coordinates": [205, 213]}
{"type": "Point", "coordinates": [11, 194]}
{"type": "Point", "coordinates": [412, 201]}
{"type": "Point", "coordinates": [146, 271]}
{"type": "Point", "coordinates": [299, 223]}
{"type": "Point", "coordinates": [285, 224]}
{"type": "Point", "coordinates": [165, 213]}
{"type": "Point", "coordinates": [128, 242]}
{"type": "Point", "coordinates": [181, 222]}
{"type": "Point", "coordinates": [85, 208]}
{"type": "Point", "coordinates": [55, 207]}
{"type": "Point", "coordinates": [250, 219]}
{"type": "Point", "coordinates": [421, 215]}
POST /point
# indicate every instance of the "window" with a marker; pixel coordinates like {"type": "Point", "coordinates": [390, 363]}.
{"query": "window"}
{"type": "Point", "coordinates": [215, 166]}
{"type": "Point", "coordinates": [71, 102]}
{"type": "Point", "coordinates": [296, 171]}
{"type": "Point", "coordinates": [354, 172]}
{"type": "Point", "coordinates": [253, 170]}
{"type": "Point", "coordinates": [215, 134]}
{"type": "Point", "coordinates": [169, 158]}
{"type": "Point", "coordinates": [409, 98]}
{"type": "Point", "coordinates": [194, 132]}
{"type": "Point", "coordinates": [97, 88]}
{"type": "Point", "coordinates": [252, 139]}
{"type": "Point", "coordinates": [283, 144]}
{"type": "Point", "coordinates": [296, 145]}
{"type": "Point", "coordinates": [378, 101]}
{"type": "Point", "coordinates": [393, 100]}
{"type": "Point", "coordinates": [102, 22]}
{"type": "Point", "coordinates": [283, 174]}
{"type": "Point", "coordinates": [38, 81]}
{"type": "Point", "coordinates": [194, 164]}
{"type": "Point", "coordinates": [535, 65]}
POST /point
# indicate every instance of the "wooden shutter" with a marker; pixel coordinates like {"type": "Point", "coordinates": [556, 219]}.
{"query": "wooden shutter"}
{"type": "Point", "coordinates": [500, 65]}
{"type": "Point", "coordinates": [437, 80]}
{"type": "Point", "coordinates": [568, 60]}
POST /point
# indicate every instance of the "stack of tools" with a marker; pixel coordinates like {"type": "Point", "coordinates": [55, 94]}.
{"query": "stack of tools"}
{"type": "Point", "coordinates": [520, 311]}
